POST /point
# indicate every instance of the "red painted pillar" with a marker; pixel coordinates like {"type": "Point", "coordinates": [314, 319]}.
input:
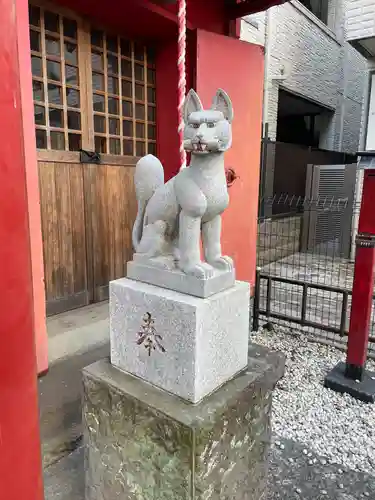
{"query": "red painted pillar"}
{"type": "Point", "coordinates": [32, 184]}
{"type": "Point", "coordinates": [167, 100]}
{"type": "Point", "coordinates": [166, 107]}
{"type": "Point", "coordinates": [363, 285]}
{"type": "Point", "coordinates": [20, 464]}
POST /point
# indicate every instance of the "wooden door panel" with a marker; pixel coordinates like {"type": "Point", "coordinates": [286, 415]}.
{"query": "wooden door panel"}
{"type": "Point", "coordinates": [63, 227]}
{"type": "Point", "coordinates": [79, 230]}
{"type": "Point", "coordinates": [111, 210]}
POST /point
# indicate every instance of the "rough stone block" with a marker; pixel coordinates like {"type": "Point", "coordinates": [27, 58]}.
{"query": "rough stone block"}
{"type": "Point", "coordinates": [185, 345]}
{"type": "Point", "coordinates": [142, 443]}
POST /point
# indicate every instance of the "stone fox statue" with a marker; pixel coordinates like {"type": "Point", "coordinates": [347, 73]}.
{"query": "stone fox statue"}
{"type": "Point", "coordinates": [172, 216]}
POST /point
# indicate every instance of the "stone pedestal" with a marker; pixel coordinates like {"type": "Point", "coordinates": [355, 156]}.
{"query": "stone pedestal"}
{"type": "Point", "coordinates": [145, 444]}
{"type": "Point", "coordinates": [176, 280]}
{"type": "Point", "coordinates": [186, 345]}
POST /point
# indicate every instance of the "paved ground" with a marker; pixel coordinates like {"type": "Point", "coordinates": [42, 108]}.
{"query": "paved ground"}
{"type": "Point", "coordinates": [60, 404]}
{"type": "Point", "coordinates": [291, 477]}
{"type": "Point", "coordinates": [322, 306]}
{"type": "Point", "coordinates": [75, 339]}
{"type": "Point", "coordinates": [78, 331]}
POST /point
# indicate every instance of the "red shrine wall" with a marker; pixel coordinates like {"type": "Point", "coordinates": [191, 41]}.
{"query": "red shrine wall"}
{"type": "Point", "coordinates": [20, 463]}
{"type": "Point", "coordinates": [237, 67]}
{"type": "Point", "coordinates": [32, 182]}
{"type": "Point", "coordinates": [219, 61]}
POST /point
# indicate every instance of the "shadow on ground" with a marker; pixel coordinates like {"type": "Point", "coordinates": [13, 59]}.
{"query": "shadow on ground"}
{"type": "Point", "coordinates": [60, 405]}
{"type": "Point", "coordinates": [295, 473]}
{"type": "Point", "coordinates": [298, 473]}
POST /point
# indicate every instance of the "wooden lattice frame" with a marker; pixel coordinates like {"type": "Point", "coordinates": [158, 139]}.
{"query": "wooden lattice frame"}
{"type": "Point", "coordinates": [123, 86]}
{"type": "Point", "coordinates": [57, 103]}
{"type": "Point", "coordinates": [128, 129]}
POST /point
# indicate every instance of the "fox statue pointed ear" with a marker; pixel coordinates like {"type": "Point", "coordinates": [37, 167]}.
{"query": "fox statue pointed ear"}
{"type": "Point", "coordinates": [192, 103]}
{"type": "Point", "coordinates": [222, 102]}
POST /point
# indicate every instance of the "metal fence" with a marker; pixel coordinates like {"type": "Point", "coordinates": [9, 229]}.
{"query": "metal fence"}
{"type": "Point", "coordinates": [305, 270]}
{"type": "Point", "coordinates": [284, 169]}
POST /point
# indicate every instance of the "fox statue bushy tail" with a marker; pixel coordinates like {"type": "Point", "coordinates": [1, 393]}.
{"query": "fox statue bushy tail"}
{"type": "Point", "coordinates": [149, 175]}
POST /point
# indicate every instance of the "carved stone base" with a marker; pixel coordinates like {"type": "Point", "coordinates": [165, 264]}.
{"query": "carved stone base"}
{"type": "Point", "coordinates": [186, 345]}
{"type": "Point", "coordinates": [161, 271]}
{"type": "Point", "coordinates": [143, 443]}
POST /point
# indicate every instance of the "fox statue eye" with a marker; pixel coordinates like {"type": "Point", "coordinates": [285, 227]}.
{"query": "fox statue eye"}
{"type": "Point", "coordinates": [194, 125]}
{"type": "Point", "coordinates": [210, 125]}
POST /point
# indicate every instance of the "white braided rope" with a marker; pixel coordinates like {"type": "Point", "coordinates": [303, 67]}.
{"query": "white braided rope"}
{"type": "Point", "coordinates": [181, 62]}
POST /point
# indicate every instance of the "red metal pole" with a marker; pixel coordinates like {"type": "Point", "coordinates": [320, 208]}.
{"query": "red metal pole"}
{"type": "Point", "coordinates": [20, 463]}
{"type": "Point", "coordinates": [363, 286]}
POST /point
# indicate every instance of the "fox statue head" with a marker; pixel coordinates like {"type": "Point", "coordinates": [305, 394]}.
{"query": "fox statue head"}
{"type": "Point", "coordinates": [207, 131]}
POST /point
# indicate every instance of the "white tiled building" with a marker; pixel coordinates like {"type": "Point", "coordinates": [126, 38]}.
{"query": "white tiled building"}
{"type": "Point", "coordinates": [311, 69]}
{"type": "Point", "coordinates": [360, 31]}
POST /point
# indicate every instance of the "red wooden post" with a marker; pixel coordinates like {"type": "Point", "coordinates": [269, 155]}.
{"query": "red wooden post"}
{"type": "Point", "coordinates": [20, 464]}
{"type": "Point", "coordinates": [351, 377]}
{"type": "Point", "coordinates": [363, 286]}
{"type": "Point", "coordinates": [32, 184]}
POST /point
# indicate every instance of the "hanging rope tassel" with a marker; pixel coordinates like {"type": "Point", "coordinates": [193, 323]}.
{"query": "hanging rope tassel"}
{"type": "Point", "coordinates": [181, 61]}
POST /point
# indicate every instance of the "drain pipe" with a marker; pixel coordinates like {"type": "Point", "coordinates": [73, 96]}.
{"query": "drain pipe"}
{"type": "Point", "coordinates": [268, 174]}
{"type": "Point", "coordinates": [267, 65]}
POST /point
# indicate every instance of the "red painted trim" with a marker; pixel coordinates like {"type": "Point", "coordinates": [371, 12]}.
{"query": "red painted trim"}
{"type": "Point", "coordinates": [157, 9]}
{"type": "Point", "coordinates": [32, 181]}
{"type": "Point", "coordinates": [20, 461]}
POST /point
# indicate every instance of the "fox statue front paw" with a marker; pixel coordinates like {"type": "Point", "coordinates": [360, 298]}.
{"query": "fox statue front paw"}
{"type": "Point", "coordinates": [200, 270]}
{"type": "Point", "coordinates": [223, 263]}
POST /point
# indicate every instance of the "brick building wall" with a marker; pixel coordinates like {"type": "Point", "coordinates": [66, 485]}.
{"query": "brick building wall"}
{"type": "Point", "coordinates": [360, 19]}
{"type": "Point", "coordinates": [313, 60]}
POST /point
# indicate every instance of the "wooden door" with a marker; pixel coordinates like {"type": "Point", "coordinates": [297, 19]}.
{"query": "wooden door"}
{"type": "Point", "coordinates": [64, 235]}
{"type": "Point", "coordinates": [111, 210]}
{"type": "Point", "coordinates": [92, 91]}
{"type": "Point", "coordinates": [88, 213]}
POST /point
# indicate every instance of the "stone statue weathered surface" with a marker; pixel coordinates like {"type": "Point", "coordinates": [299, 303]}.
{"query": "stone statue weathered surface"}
{"type": "Point", "coordinates": [172, 216]}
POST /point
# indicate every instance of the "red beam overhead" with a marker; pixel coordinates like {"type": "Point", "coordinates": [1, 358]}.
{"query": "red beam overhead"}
{"type": "Point", "coordinates": [240, 8]}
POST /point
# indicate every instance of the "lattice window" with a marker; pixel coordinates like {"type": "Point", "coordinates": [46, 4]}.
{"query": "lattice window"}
{"type": "Point", "coordinates": [56, 82]}
{"type": "Point", "coordinates": [113, 110]}
{"type": "Point", "coordinates": [123, 96]}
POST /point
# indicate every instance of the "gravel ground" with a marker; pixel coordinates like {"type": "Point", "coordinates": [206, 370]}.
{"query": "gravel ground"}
{"type": "Point", "coordinates": [291, 477]}
{"type": "Point", "coordinates": [323, 443]}
{"type": "Point", "coordinates": [337, 428]}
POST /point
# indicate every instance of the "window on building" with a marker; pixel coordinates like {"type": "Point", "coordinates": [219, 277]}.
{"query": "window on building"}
{"type": "Point", "coordinates": [300, 121]}
{"type": "Point", "coordinates": [113, 110]}
{"type": "Point", "coordinates": [318, 7]}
